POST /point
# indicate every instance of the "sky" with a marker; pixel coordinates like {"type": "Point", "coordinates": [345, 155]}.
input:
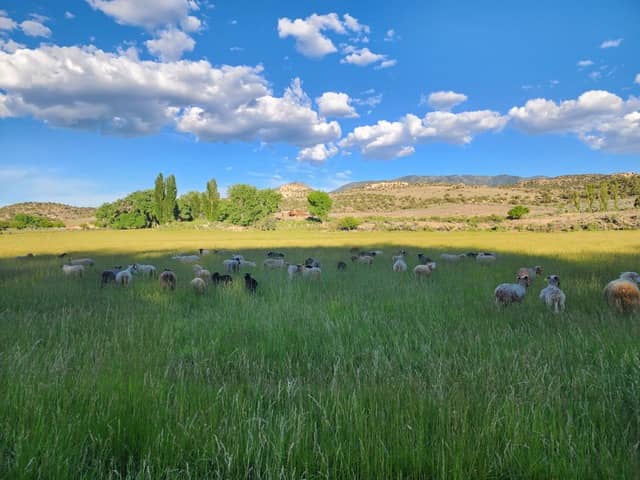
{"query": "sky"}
{"type": "Point", "coordinates": [99, 96]}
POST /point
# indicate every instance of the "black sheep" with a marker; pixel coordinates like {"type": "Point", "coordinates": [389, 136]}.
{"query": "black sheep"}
{"type": "Point", "coordinates": [251, 284]}
{"type": "Point", "coordinates": [217, 279]}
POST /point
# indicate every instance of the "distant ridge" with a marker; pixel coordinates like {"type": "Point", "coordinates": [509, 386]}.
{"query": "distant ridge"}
{"type": "Point", "coordinates": [484, 180]}
{"type": "Point", "coordinates": [56, 211]}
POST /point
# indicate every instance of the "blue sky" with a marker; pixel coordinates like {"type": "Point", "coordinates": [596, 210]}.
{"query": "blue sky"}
{"type": "Point", "coordinates": [98, 96]}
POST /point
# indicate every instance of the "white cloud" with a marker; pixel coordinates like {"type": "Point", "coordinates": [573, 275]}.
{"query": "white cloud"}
{"type": "Point", "coordinates": [170, 45]}
{"type": "Point", "coordinates": [585, 63]}
{"type": "Point", "coordinates": [361, 57]}
{"type": "Point", "coordinates": [398, 139]}
{"type": "Point", "coordinates": [6, 23]}
{"type": "Point", "coordinates": [35, 28]}
{"type": "Point", "coordinates": [390, 35]}
{"type": "Point", "coordinates": [370, 99]}
{"type": "Point", "coordinates": [444, 100]}
{"type": "Point", "coordinates": [386, 64]}
{"type": "Point", "coordinates": [9, 45]}
{"type": "Point", "coordinates": [335, 104]}
{"type": "Point", "coordinates": [141, 14]}
{"type": "Point", "coordinates": [599, 118]}
{"type": "Point", "coordinates": [611, 43]}
{"type": "Point", "coordinates": [69, 15]}
{"type": "Point", "coordinates": [87, 88]}
{"type": "Point", "coordinates": [24, 184]}
{"type": "Point", "coordinates": [310, 33]}
{"type": "Point", "coordinates": [595, 75]}
{"type": "Point", "coordinates": [318, 153]}
{"type": "Point", "coordinates": [638, 78]}
{"type": "Point", "coordinates": [236, 49]}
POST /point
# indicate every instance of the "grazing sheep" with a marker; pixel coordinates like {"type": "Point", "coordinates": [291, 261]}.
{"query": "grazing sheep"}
{"type": "Point", "coordinates": [217, 279]}
{"type": "Point", "coordinates": [631, 276]}
{"type": "Point", "coordinates": [507, 293]}
{"type": "Point", "coordinates": [239, 258]}
{"type": "Point", "coordinates": [186, 258]}
{"type": "Point", "coordinates": [168, 279]}
{"type": "Point", "coordinates": [204, 251]}
{"type": "Point", "coordinates": [486, 258]}
{"type": "Point", "coordinates": [28, 256]}
{"type": "Point", "coordinates": [148, 271]}
{"type": "Point", "coordinates": [451, 257]}
{"type": "Point", "coordinates": [552, 296]}
{"type": "Point", "coordinates": [63, 254]}
{"type": "Point", "coordinates": [73, 270]}
{"type": "Point", "coordinates": [312, 273]}
{"type": "Point", "coordinates": [400, 256]}
{"type": "Point", "coordinates": [312, 262]}
{"type": "Point", "coordinates": [109, 276]}
{"type": "Point", "coordinates": [400, 265]}
{"type": "Point", "coordinates": [533, 272]}
{"type": "Point", "coordinates": [231, 266]}
{"type": "Point", "coordinates": [623, 294]}
{"type": "Point", "coordinates": [247, 263]}
{"type": "Point", "coordinates": [371, 253]}
{"type": "Point", "coordinates": [204, 274]}
{"type": "Point", "coordinates": [423, 270]}
{"type": "Point", "coordinates": [423, 259]}
{"type": "Point", "coordinates": [364, 259]}
{"type": "Point", "coordinates": [294, 270]}
{"type": "Point", "coordinates": [251, 284]}
{"type": "Point", "coordinates": [342, 266]}
{"type": "Point", "coordinates": [87, 262]}
{"type": "Point", "coordinates": [273, 263]}
{"type": "Point", "coordinates": [275, 254]}
{"type": "Point", "coordinates": [199, 285]}
{"type": "Point", "coordinates": [125, 277]}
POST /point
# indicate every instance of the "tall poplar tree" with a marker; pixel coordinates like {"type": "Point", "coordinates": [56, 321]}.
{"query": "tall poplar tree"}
{"type": "Point", "coordinates": [158, 199]}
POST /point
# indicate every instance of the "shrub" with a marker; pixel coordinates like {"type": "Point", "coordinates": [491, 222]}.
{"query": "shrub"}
{"type": "Point", "coordinates": [320, 204]}
{"type": "Point", "coordinates": [517, 212]}
{"type": "Point", "coordinates": [23, 220]}
{"type": "Point", "coordinates": [268, 224]}
{"type": "Point", "coordinates": [348, 223]}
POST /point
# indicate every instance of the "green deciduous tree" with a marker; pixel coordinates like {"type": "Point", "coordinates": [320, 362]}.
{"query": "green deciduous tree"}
{"type": "Point", "coordinates": [136, 210]}
{"type": "Point", "coordinates": [576, 200]}
{"type": "Point", "coordinates": [211, 202]}
{"type": "Point", "coordinates": [158, 199]}
{"type": "Point", "coordinates": [246, 205]}
{"type": "Point", "coordinates": [517, 212]}
{"type": "Point", "coordinates": [170, 200]}
{"type": "Point", "coordinates": [591, 196]}
{"type": "Point", "coordinates": [320, 204]}
{"type": "Point", "coordinates": [189, 206]}
{"type": "Point", "coordinates": [604, 197]}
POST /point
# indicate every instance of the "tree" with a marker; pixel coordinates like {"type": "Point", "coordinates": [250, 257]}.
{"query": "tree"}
{"type": "Point", "coordinates": [246, 205]}
{"type": "Point", "coordinates": [136, 210]}
{"type": "Point", "coordinates": [24, 220]}
{"type": "Point", "coordinates": [517, 212]}
{"type": "Point", "coordinates": [158, 199]}
{"type": "Point", "coordinates": [576, 200]}
{"type": "Point", "coordinates": [604, 197]}
{"type": "Point", "coordinates": [170, 204]}
{"type": "Point", "coordinates": [189, 206]}
{"type": "Point", "coordinates": [615, 193]}
{"type": "Point", "coordinates": [591, 196]}
{"type": "Point", "coordinates": [212, 202]}
{"type": "Point", "coordinates": [320, 204]}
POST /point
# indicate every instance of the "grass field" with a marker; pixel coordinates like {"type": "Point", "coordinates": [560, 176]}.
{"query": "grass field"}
{"type": "Point", "coordinates": [364, 374]}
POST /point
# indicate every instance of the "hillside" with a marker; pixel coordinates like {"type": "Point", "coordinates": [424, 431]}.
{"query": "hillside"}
{"type": "Point", "coordinates": [68, 214]}
{"type": "Point", "coordinates": [480, 180]}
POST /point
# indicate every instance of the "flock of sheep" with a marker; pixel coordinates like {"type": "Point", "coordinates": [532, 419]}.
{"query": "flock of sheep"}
{"type": "Point", "coordinates": [622, 294]}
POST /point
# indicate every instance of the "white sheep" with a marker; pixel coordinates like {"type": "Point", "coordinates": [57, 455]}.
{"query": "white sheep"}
{"type": "Point", "coordinates": [623, 293]}
{"type": "Point", "coordinates": [452, 257]}
{"type": "Point", "coordinates": [240, 258]}
{"type": "Point", "coordinates": [294, 270]}
{"type": "Point", "coordinates": [507, 293]}
{"type": "Point", "coordinates": [533, 272]}
{"type": "Point", "coordinates": [400, 265]}
{"type": "Point", "coordinates": [87, 262]}
{"type": "Point", "coordinates": [273, 263]}
{"type": "Point", "coordinates": [424, 270]}
{"type": "Point", "coordinates": [312, 273]}
{"type": "Point", "coordinates": [231, 266]}
{"type": "Point", "coordinates": [552, 296]}
{"type": "Point", "coordinates": [186, 258]}
{"type": "Point", "coordinates": [73, 270]}
{"type": "Point", "coordinates": [486, 258]}
{"type": "Point", "coordinates": [364, 259]}
{"type": "Point", "coordinates": [204, 274]}
{"type": "Point", "coordinates": [125, 277]}
{"type": "Point", "coordinates": [146, 270]}
{"type": "Point", "coordinates": [247, 263]}
{"type": "Point", "coordinates": [199, 285]}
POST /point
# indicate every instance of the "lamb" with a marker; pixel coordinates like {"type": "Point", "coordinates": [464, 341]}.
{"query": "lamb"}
{"type": "Point", "coordinates": [342, 266]}
{"type": "Point", "coordinates": [275, 254]}
{"type": "Point", "coordinates": [87, 262]}
{"type": "Point", "coordinates": [552, 296]}
{"type": "Point", "coordinates": [217, 279]}
{"type": "Point", "coordinates": [364, 259]}
{"type": "Point", "coordinates": [400, 265]}
{"type": "Point", "coordinates": [312, 273]}
{"type": "Point", "coordinates": [423, 259]}
{"type": "Point", "coordinates": [451, 257]}
{"type": "Point", "coordinates": [147, 270]}
{"type": "Point", "coordinates": [623, 293]}
{"type": "Point", "coordinates": [199, 285]}
{"type": "Point", "coordinates": [251, 284]}
{"type": "Point", "coordinates": [73, 270]}
{"type": "Point", "coordinates": [533, 272]}
{"type": "Point", "coordinates": [294, 270]}
{"type": "Point", "coordinates": [125, 277]}
{"type": "Point", "coordinates": [231, 266]}
{"type": "Point", "coordinates": [508, 293]}
{"type": "Point", "coordinates": [168, 279]}
{"type": "Point", "coordinates": [423, 270]}
{"type": "Point", "coordinates": [486, 258]}
{"type": "Point", "coordinates": [273, 263]}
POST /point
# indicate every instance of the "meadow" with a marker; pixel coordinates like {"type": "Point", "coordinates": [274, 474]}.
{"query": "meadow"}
{"type": "Point", "coordinates": [363, 374]}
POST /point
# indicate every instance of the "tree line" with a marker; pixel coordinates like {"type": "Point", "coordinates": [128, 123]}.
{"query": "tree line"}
{"type": "Point", "coordinates": [604, 194]}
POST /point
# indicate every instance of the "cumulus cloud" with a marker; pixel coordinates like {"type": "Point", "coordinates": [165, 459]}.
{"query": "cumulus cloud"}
{"type": "Point", "coordinates": [9, 45]}
{"type": "Point", "coordinates": [390, 36]}
{"type": "Point", "coordinates": [336, 104]}
{"type": "Point", "coordinates": [317, 153]}
{"type": "Point", "coordinates": [310, 33]}
{"type": "Point", "coordinates": [363, 57]}
{"type": "Point", "coordinates": [611, 43]}
{"type": "Point", "coordinates": [170, 45]}
{"type": "Point", "coordinates": [444, 100]}
{"type": "Point", "coordinates": [585, 63]}
{"type": "Point", "coordinates": [140, 14]}
{"type": "Point", "coordinates": [398, 139]}
{"type": "Point", "coordinates": [69, 15]}
{"type": "Point", "coordinates": [638, 78]}
{"type": "Point", "coordinates": [601, 119]}
{"type": "Point", "coordinates": [35, 28]}
{"type": "Point", "coordinates": [87, 88]}
{"type": "Point", "coordinates": [6, 23]}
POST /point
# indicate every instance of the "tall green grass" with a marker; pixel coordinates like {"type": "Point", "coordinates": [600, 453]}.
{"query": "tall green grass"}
{"type": "Point", "coordinates": [364, 374]}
